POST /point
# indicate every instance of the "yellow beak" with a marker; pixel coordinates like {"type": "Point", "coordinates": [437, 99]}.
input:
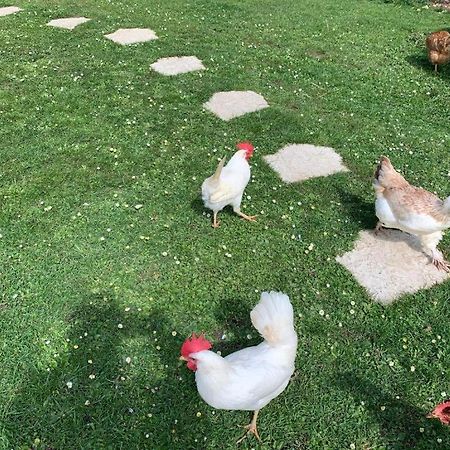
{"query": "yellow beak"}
{"type": "Point", "coordinates": [182, 358]}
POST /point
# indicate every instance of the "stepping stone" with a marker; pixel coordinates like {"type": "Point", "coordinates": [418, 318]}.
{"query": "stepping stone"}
{"type": "Point", "coordinates": [127, 36]}
{"type": "Point", "coordinates": [228, 105]}
{"type": "Point", "coordinates": [7, 10]}
{"type": "Point", "coordinates": [69, 23]}
{"type": "Point", "coordinates": [177, 64]}
{"type": "Point", "coordinates": [390, 264]}
{"type": "Point", "coordinates": [299, 162]}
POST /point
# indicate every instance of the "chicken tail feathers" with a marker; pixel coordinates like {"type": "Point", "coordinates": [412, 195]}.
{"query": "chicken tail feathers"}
{"type": "Point", "coordinates": [273, 317]}
{"type": "Point", "coordinates": [218, 171]}
{"type": "Point", "coordinates": [386, 176]}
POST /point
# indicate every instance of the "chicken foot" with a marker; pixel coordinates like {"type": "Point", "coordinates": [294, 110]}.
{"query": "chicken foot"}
{"type": "Point", "coordinates": [251, 428]}
{"type": "Point", "coordinates": [378, 228]}
{"type": "Point", "coordinates": [437, 258]}
{"type": "Point", "coordinates": [244, 216]}
{"type": "Point", "coordinates": [429, 243]}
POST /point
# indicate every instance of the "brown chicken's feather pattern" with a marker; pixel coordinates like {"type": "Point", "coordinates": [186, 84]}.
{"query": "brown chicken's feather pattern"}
{"type": "Point", "coordinates": [411, 199]}
{"type": "Point", "coordinates": [403, 198]}
{"type": "Point", "coordinates": [438, 46]}
{"type": "Point", "coordinates": [387, 176]}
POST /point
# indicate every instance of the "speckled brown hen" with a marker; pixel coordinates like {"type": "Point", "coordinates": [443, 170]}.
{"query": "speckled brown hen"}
{"type": "Point", "coordinates": [438, 46]}
{"type": "Point", "coordinates": [411, 209]}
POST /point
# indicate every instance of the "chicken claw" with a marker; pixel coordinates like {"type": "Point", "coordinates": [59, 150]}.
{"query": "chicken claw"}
{"type": "Point", "coordinates": [251, 428]}
{"type": "Point", "coordinates": [441, 264]}
{"type": "Point", "coordinates": [378, 228]}
{"type": "Point", "coordinates": [244, 216]}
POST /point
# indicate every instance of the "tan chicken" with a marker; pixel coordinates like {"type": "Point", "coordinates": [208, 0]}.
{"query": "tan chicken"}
{"type": "Point", "coordinates": [411, 209]}
{"type": "Point", "coordinates": [438, 46]}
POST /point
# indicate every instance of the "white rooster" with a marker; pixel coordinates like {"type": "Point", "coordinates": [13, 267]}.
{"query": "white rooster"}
{"type": "Point", "coordinates": [249, 378]}
{"type": "Point", "coordinates": [227, 185]}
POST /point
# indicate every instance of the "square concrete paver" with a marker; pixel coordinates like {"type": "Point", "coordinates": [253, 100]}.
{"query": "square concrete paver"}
{"type": "Point", "coordinates": [127, 36]}
{"type": "Point", "coordinates": [69, 23]}
{"type": "Point", "coordinates": [298, 162]}
{"type": "Point", "coordinates": [231, 104]}
{"type": "Point", "coordinates": [7, 10]}
{"type": "Point", "coordinates": [176, 65]}
{"type": "Point", "coordinates": [390, 264]}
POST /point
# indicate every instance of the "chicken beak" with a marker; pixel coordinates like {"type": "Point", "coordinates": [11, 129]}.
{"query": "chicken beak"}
{"type": "Point", "coordinates": [182, 358]}
{"type": "Point", "coordinates": [430, 415]}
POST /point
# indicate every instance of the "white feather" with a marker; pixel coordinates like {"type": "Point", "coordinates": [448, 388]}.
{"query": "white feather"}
{"type": "Point", "coordinates": [250, 378]}
{"type": "Point", "coordinates": [229, 189]}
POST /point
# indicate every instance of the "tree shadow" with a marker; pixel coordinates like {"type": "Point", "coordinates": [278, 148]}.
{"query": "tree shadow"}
{"type": "Point", "coordinates": [399, 421]}
{"type": "Point", "coordinates": [115, 385]}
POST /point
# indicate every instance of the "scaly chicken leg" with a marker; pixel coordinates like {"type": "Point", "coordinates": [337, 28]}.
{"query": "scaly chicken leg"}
{"type": "Point", "coordinates": [378, 228]}
{"type": "Point", "coordinates": [244, 216]}
{"type": "Point", "coordinates": [251, 428]}
{"type": "Point", "coordinates": [429, 243]}
{"type": "Point", "coordinates": [215, 223]}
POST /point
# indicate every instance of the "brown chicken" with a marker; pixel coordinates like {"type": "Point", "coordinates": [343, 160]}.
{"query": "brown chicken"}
{"type": "Point", "coordinates": [411, 209]}
{"type": "Point", "coordinates": [438, 46]}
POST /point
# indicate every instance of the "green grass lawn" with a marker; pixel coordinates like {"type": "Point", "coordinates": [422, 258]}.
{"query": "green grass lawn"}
{"type": "Point", "coordinates": [88, 130]}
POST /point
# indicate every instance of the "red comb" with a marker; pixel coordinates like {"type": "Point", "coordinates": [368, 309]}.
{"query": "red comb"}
{"type": "Point", "coordinates": [245, 146]}
{"type": "Point", "coordinates": [194, 344]}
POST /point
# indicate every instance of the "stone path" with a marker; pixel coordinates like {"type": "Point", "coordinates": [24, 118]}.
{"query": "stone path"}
{"type": "Point", "coordinates": [390, 265]}
{"type": "Point", "coordinates": [7, 10]}
{"type": "Point", "coordinates": [176, 65]}
{"type": "Point", "coordinates": [228, 105]}
{"type": "Point", "coordinates": [299, 162]}
{"type": "Point", "coordinates": [128, 36]}
{"type": "Point", "coordinates": [69, 23]}
{"type": "Point", "coordinates": [387, 265]}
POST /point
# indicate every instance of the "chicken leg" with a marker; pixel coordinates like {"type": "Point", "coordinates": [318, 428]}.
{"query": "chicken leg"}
{"type": "Point", "coordinates": [215, 223]}
{"type": "Point", "coordinates": [251, 428]}
{"type": "Point", "coordinates": [429, 243]}
{"type": "Point", "coordinates": [378, 228]}
{"type": "Point", "coordinates": [244, 216]}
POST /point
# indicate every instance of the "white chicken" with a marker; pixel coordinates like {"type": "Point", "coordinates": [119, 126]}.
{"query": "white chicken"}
{"type": "Point", "coordinates": [227, 185]}
{"type": "Point", "coordinates": [411, 209]}
{"type": "Point", "coordinates": [249, 378]}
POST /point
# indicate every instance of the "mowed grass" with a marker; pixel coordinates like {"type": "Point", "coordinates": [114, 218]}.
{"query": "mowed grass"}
{"type": "Point", "coordinates": [88, 130]}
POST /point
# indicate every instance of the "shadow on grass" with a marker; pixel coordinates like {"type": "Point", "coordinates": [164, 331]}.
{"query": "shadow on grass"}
{"type": "Point", "coordinates": [198, 207]}
{"type": "Point", "coordinates": [399, 421]}
{"type": "Point", "coordinates": [361, 211]}
{"type": "Point", "coordinates": [420, 61]}
{"type": "Point", "coordinates": [130, 403]}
